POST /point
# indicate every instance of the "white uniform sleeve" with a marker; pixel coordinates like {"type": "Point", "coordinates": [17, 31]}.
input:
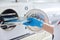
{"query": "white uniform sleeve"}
{"type": "Point", "coordinates": [57, 32]}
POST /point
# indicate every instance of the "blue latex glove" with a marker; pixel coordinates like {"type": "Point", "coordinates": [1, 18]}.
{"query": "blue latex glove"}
{"type": "Point", "coordinates": [34, 22]}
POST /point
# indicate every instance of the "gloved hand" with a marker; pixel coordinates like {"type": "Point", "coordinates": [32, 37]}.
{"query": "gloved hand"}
{"type": "Point", "coordinates": [34, 22]}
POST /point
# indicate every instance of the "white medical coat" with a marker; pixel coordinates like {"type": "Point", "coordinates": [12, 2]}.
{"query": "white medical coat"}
{"type": "Point", "coordinates": [57, 32]}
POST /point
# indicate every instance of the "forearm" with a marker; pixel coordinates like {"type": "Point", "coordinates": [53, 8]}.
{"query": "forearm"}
{"type": "Point", "coordinates": [48, 28]}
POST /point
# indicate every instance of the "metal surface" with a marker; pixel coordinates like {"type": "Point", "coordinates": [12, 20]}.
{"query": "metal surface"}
{"type": "Point", "coordinates": [7, 17]}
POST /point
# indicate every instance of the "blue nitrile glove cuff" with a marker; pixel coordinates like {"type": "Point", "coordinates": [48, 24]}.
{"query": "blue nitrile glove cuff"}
{"type": "Point", "coordinates": [34, 22]}
{"type": "Point", "coordinates": [41, 24]}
